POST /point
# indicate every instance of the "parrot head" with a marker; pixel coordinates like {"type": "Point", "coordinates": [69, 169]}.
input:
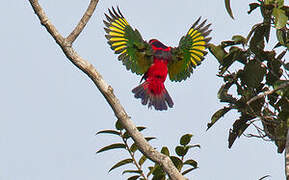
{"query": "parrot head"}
{"type": "Point", "coordinates": [157, 45]}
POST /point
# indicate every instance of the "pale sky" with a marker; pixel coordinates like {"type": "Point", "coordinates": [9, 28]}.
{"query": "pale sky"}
{"type": "Point", "coordinates": [50, 110]}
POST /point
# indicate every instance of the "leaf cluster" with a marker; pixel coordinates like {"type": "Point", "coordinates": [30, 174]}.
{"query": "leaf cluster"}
{"type": "Point", "coordinates": [259, 88]}
{"type": "Point", "coordinates": [179, 161]}
{"type": "Point", "coordinates": [153, 171]}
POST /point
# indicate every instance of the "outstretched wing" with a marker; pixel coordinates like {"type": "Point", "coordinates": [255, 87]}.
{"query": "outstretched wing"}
{"type": "Point", "coordinates": [134, 52]}
{"type": "Point", "coordinates": [190, 52]}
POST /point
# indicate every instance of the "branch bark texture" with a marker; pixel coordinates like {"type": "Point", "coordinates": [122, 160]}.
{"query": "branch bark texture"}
{"type": "Point", "coordinates": [104, 88]}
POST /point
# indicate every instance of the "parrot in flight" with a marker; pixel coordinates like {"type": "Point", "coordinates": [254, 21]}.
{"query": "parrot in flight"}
{"type": "Point", "coordinates": [154, 60]}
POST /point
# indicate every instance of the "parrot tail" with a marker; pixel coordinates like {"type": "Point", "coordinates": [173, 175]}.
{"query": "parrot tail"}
{"type": "Point", "coordinates": [159, 97]}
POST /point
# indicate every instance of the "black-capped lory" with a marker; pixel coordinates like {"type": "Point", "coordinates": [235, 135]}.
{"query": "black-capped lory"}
{"type": "Point", "coordinates": [153, 59]}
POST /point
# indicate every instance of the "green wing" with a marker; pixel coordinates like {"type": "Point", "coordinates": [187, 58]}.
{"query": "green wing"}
{"type": "Point", "coordinates": [134, 52]}
{"type": "Point", "coordinates": [190, 52]}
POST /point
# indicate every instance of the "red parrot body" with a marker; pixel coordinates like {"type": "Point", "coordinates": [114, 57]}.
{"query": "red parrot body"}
{"type": "Point", "coordinates": [153, 90]}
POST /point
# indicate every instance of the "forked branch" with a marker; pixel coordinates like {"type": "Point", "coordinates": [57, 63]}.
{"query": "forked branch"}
{"type": "Point", "coordinates": [104, 88]}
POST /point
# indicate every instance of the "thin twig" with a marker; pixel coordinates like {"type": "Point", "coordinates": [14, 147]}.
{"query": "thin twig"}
{"type": "Point", "coordinates": [133, 158]}
{"type": "Point", "coordinates": [267, 93]}
{"type": "Point", "coordinates": [83, 21]}
{"type": "Point", "coordinates": [108, 94]}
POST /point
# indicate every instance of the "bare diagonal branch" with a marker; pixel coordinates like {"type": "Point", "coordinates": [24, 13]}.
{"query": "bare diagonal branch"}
{"type": "Point", "coordinates": [83, 21]}
{"type": "Point", "coordinates": [106, 91]}
{"type": "Point", "coordinates": [45, 22]}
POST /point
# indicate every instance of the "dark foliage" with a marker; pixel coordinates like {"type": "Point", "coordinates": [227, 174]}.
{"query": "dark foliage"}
{"type": "Point", "coordinates": [260, 85]}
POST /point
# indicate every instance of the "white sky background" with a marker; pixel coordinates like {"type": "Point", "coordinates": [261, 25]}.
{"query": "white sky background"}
{"type": "Point", "coordinates": [50, 110]}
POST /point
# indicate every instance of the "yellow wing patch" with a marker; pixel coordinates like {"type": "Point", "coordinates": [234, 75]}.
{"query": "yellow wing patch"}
{"type": "Point", "coordinates": [118, 43]}
{"type": "Point", "coordinates": [122, 39]}
{"type": "Point", "coordinates": [116, 29]}
{"type": "Point", "coordinates": [113, 39]}
{"type": "Point", "coordinates": [111, 33]}
{"type": "Point", "coordinates": [191, 51]}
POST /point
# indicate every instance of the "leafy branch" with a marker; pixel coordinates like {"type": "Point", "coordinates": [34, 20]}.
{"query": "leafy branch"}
{"type": "Point", "coordinates": [260, 84]}
{"type": "Point", "coordinates": [155, 171]}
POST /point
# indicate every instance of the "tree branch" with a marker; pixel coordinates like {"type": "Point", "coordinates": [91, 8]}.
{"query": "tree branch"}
{"type": "Point", "coordinates": [104, 88]}
{"type": "Point", "coordinates": [267, 93]}
{"type": "Point", "coordinates": [83, 21]}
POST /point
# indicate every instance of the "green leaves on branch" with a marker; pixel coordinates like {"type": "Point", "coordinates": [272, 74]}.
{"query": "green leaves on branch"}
{"type": "Point", "coordinates": [179, 160]}
{"type": "Point", "coordinates": [130, 147]}
{"type": "Point", "coordinates": [217, 115]}
{"type": "Point", "coordinates": [121, 163]}
{"type": "Point", "coordinates": [155, 171]}
{"type": "Point", "coordinates": [112, 146]}
{"type": "Point", "coordinates": [186, 139]}
{"type": "Point", "coordinates": [280, 18]}
{"type": "Point", "coordinates": [255, 88]}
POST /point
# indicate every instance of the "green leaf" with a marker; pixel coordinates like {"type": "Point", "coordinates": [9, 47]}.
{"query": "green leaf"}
{"type": "Point", "coordinates": [177, 162]}
{"type": "Point", "coordinates": [159, 177]}
{"type": "Point", "coordinates": [142, 160]}
{"type": "Point", "coordinates": [239, 39]}
{"type": "Point", "coordinates": [150, 138]}
{"type": "Point", "coordinates": [218, 51]}
{"type": "Point", "coordinates": [223, 94]}
{"type": "Point", "coordinates": [185, 139]}
{"type": "Point", "coordinates": [280, 3]}
{"type": "Point", "coordinates": [239, 126]}
{"type": "Point", "coordinates": [281, 36]}
{"type": "Point", "coordinates": [257, 42]}
{"type": "Point", "coordinates": [281, 132]}
{"type": "Point", "coordinates": [275, 71]}
{"type": "Point", "coordinates": [253, 74]}
{"type": "Point", "coordinates": [165, 151]}
{"type": "Point", "coordinates": [158, 171]}
{"type": "Point", "coordinates": [132, 171]}
{"type": "Point", "coordinates": [217, 115]}
{"type": "Point", "coordinates": [193, 146]}
{"type": "Point", "coordinates": [280, 18]}
{"type": "Point", "coordinates": [151, 169]}
{"type": "Point", "coordinates": [133, 147]}
{"type": "Point", "coordinates": [108, 131]}
{"type": "Point", "coordinates": [232, 137]}
{"type": "Point", "coordinates": [121, 163]}
{"type": "Point", "coordinates": [180, 150]}
{"type": "Point", "coordinates": [228, 8]}
{"type": "Point", "coordinates": [133, 177]}
{"type": "Point", "coordinates": [253, 6]}
{"type": "Point", "coordinates": [183, 150]}
{"type": "Point", "coordinates": [112, 146]}
{"type": "Point", "coordinates": [118, 125]}
{"type": "Point", "coordinates": [187, 171]}
{"type": "Point", "coordinates": [126, 135]}
{"type": "Point", "coordinates": [191, 163]}
{"type": "Point", "coordinates": [230, 58]}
